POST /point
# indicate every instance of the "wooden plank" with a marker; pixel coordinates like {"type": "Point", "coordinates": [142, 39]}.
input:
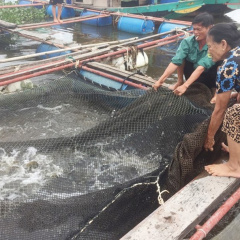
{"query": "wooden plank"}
{"type": "Point", "coordinates": [231, 232]}
{"type": "Point", "coordinates": [182, 212]}
{"type": "Point", "coordinates": [45, 37]}
{"type": "Point", "coordinates": [137, 78]}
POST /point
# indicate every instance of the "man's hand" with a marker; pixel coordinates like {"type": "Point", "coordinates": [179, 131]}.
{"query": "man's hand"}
{"type": "Point", "coordinates": [180, 90]}
{"type": "Point", "coordinates": [157, 84]}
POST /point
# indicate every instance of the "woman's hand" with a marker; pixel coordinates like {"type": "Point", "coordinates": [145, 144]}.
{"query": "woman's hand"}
{"type": "Point", "coordinates": [209, 143]}
{"type": "Point", "coordinates": [180, 90]}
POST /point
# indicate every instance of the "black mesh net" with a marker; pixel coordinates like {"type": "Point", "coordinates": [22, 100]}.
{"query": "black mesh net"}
{"type": "Point", "coordinates": [80, 162]}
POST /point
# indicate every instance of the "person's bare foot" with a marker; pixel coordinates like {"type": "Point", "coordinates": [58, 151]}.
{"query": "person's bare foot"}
{"type": "Point", "coordinates": [55, 20]}
{"type": "Point", "coordinates": [225, 148]}
{"type": "Point", "coordinates": [60, 21]}
{"type": "Point", "coordinates": [223, 170]}
{"type": "Point", "coordinates": [174, 86]}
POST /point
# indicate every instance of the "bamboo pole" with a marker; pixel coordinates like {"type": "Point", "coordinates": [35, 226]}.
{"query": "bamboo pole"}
{"type": "Point", "coordinates": [89, 17]}
{"type": "Point", "coordinates": [35, 24]}
{"type": "Point", "coordinates": [98, 45]}
{"type": "Point", "coordinates": [45, 53]}
{"type": "Point", "coordinates": [123, 42]}
{"type": "Point", "coordinates": [53, 64]}
{"type": "Point", "coordinates": [99, 56]}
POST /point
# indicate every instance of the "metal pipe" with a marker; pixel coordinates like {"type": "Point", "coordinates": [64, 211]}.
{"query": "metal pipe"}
{"type": "Point", "coordinates": [202, 231]}
{"type": "Point", "coordinates": [35, 74]}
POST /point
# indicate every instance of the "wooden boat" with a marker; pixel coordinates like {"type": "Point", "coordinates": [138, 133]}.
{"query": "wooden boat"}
{"type": "Point", "coordinates": [160, 8]}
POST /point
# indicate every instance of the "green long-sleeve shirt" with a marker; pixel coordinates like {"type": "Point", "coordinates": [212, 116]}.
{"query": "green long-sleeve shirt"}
{"type": "Point", "coordinates": [189, 50]}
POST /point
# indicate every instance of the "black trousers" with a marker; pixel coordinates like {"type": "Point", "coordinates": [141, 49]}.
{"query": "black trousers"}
{"type": "Point", "coordinates": [207, 77]}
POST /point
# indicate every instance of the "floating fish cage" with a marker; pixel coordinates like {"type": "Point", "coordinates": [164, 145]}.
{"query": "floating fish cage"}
{"type": "Point", "coordinates": [135, 25]}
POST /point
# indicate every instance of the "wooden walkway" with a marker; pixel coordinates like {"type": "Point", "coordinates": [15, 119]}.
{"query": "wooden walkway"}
{"type": "Point", "coordinates": [187, 208]}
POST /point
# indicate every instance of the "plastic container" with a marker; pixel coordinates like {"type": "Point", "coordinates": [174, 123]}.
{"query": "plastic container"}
{"type": "Point", "coordinates": [166, 27]}
{"type": "Point", "coordinates": [104, 21]}
{"type": "Point", "coordinates": [66, 12]}
{"type": "Point", "coordinates": [43, 47]}
{"type": "Point", "coordinates": [135, 25]}
{"type": "Point", "coordinates": [23, 2]}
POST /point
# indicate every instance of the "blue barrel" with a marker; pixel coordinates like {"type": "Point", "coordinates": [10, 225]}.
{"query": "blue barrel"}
{"type": "Point", "coordinates": [168, 1]}
{"type": "Point", "coordinates": [46, 47]}
{"type": "Point", "coordinates": [135, 25]}
{"type": "Point", "coordinates": [66, 12]}
{"type": "Point", "coordinates": [166, 27]}
{"type": "Point", "coordinates": [23, 2]}
{"type": "Point", "coordinates": [104, 21]}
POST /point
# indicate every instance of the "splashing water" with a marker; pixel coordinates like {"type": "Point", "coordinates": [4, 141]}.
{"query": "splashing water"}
{"type": "Point", "coordinates": [23, 175]}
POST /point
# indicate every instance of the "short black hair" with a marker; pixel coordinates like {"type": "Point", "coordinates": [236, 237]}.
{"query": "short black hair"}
{"type": "Point", "coordinates": [225, 31]}
{"type": "Point", "coordinates": [204, 18]}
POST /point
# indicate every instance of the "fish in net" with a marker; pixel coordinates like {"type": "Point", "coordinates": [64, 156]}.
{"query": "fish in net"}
{"type": "Point", "coordinates": [80, 162]}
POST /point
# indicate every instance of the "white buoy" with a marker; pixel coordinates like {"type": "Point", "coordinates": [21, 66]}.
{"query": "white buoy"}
{"type": "Point", "coordinates": [142, 59]}
{"type": "Point", "coordinates": [127, 62]}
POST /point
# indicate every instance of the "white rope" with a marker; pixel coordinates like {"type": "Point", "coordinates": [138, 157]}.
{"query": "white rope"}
{"type": "Point", "coordinates": [186, 34]}
{"type": "Point", "coordinates": [160, 201]}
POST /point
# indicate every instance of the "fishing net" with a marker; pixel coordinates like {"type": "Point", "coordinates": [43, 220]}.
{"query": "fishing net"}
{"type": "Point", "coordinates": [81, 162]}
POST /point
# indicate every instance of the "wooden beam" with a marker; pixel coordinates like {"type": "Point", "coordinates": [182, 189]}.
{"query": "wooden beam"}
{"type": "Point", "coordinates": [7, 24]}
{"type": "Point", "coordinates": [136, 78]}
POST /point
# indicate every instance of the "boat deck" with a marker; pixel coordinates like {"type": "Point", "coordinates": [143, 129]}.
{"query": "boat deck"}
{"type": "Point", "coordinates": [187, 208]}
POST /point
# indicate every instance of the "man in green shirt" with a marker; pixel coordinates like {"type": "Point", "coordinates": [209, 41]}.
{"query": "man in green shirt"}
{"type": "Point", "coordinates": [191, 59]}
